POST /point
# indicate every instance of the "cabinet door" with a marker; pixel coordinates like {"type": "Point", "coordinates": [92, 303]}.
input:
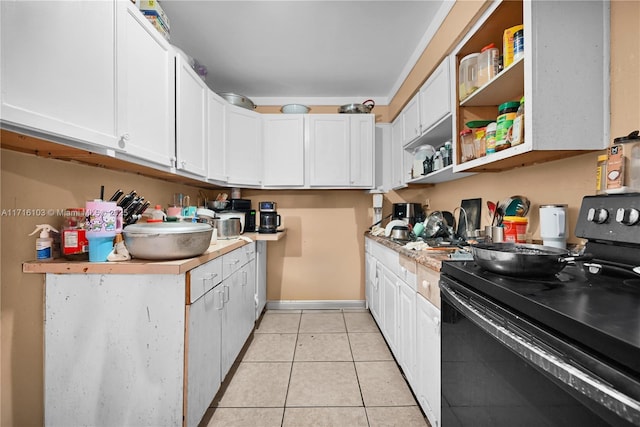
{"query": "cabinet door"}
{"type": "Point", "coordinates": [434, 97]}
{"type": "Point", "coordinates": [191, 119]}
{"type": "Point", "coordinates": [215, 136]}
{"type": "Point", "coordinates": [390, 284]}
{"type": "Point", "coordinates": [243, 148]}
{"type": "Point", "coordinates": [248, 273]}
{"type": "Point", "coordinates": [411, 121]}
{"type": "Point", "coordinates": [407, 331]}
{"type": "Point", "coordinates": [58, 69]}
{"type": "Point", "coordinates": [283, 159]}
{"type": "Point", "coordinates": [398, 175]}
{"type": "Point", "coordinates": [147, 105]}
{"type": "Point", "coordinates": [362, 131]}
{"type": "Point", "coordinates": [428, 353]}
{"type": "Point", "coordinates": [373, 286]}
{"type": "Point", "coordinates": [204, 327]}
{"type": "Point", "coordinates": [329, 151]}
{"type": "Point", "coordinates": [231, 322]}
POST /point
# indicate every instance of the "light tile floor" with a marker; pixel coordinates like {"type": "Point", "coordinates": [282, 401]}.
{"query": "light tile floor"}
{"type": "Point", "coordinates": [315, 368]}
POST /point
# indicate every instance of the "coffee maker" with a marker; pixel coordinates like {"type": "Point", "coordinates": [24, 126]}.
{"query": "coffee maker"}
{"type": "Point", "coordinates": [269, 218]}
{"type": "Point", "coordinates": [408, 212]}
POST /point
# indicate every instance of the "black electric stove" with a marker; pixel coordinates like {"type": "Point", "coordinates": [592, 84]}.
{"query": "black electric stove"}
{"type": "Point", "coordinates": [588, 314]}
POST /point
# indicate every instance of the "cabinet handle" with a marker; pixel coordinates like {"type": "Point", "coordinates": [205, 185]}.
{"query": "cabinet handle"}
{"type": "Point", "coordinates": [183, 164]}
{"type": "Point", "coordinates": [244, 278]}
{"type": "Point", "coordinates": [226, 293]}
{"type": "Point", "coordinates": [124, 138]}
{"type": "Point", "coordinates": [234, 261]}
{"type": "Point", "coordinates": [436, 321]}
{"type": "Point", "coordinates": [221, 294]}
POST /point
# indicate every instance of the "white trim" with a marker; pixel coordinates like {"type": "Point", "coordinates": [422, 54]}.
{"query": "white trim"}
{"type": "Point", "coordinates": [314, 304]}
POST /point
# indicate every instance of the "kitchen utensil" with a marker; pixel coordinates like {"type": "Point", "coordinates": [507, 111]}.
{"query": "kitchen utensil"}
{"type": "Point", "coordinates": [363, 108]}
{"type": "Point", "coordinates": [418, 229]}
{"type": "Point", "coordinates": [217, 205]}
{"type": "Point", "coordinates": [400, 232]}
{"type": "Point", "coordinates": [516, 259]}
{"type": "Point", "coordinates": [391, 224]}
{"type": "Point", "coordinates": [228, 228]}
{"type": "Point", "coordinates": [295, 109]}
{"type": "Point", "coordinates": [239, 100]}
{"type": "Point", "coordinates": [233, 214]}
{"type": "Point", "coordinates": [516, 206]}
{"type": "Point", "coordinates": [435, 225]}
{"type": "Point", "coordinates": [167, 240]}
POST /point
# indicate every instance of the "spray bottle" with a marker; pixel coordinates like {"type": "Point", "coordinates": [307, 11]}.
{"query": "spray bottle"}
{"type": "Point", "coordinates": [44, 243]}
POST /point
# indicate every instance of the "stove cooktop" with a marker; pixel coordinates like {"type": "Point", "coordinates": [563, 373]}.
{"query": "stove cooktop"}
{"type": "Point", "coordinates": [599, 312]}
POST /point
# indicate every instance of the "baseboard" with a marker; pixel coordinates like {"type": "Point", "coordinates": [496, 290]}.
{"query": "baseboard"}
{"type": "Point", "coordinates": [315, 304]}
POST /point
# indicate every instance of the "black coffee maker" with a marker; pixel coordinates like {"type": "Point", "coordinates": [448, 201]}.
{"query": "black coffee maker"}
{"type": "Point", "coordinates": [269, 218]}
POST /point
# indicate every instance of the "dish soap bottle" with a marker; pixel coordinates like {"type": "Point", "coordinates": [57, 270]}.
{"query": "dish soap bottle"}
{"type": "Point", "coordinates": [44, 243]}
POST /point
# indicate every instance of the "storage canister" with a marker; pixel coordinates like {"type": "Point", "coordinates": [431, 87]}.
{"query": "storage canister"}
{"type": "Point", "coordinates": [515, 229]}
{"type": "Point", "coordinates": [506, 115]}
{"type": "Point", "coordinates": [466, 143]}
{"type": "Point", "coordinates": [518, 45]}
{"type": "Point", "coordinates": [507, 44]}
{"type": "Point", "coordinates": [468, 75]}
{"type": "Point", "coordinates": [480, 143]}
{"type": "Point", "coordinates": [490, 138]}
{"type": "Point", "coordinates": [487, 64]}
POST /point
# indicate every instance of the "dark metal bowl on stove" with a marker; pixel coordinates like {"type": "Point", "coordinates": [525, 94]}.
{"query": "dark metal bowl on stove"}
{"type": "Point", "coordinates": [400, 232]}
{"type": "Point", "coordinates": [519, 259]}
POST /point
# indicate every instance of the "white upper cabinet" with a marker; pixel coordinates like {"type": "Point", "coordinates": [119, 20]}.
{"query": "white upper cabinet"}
{"type": "Point", "coordinates": [411, 120]}
{"type": "Point", "coordinates": [146, 97]}
{"type": "Point", "coordinates": [58, 69]}
{"type": "Point", "coordinates": [434, 97]}
{"type": "Point", "coordinates": [191, 119]}
{"type": "Point", "coordinates": [340, 150]}
{"type": "Point", "coordinates": [215, 136]}
{"type": "Point", "coordinates": [565, 85]}
{"type": "Point", "coordinates": [398, 174]}
{"type": "Point", "coordinates": [283, 150]}
{"type": "Point", "coordinates": [243, 146]}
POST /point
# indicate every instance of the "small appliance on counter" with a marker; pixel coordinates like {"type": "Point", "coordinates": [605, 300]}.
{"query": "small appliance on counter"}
{"type": "Point", "coordinates": [409, 212]}
{"type": "Point", "coordinates": [269, 218]}
{"type": "Point", "coordinates": [244, 206]}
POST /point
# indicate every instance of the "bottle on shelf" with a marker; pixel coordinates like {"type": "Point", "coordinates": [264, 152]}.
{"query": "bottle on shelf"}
{"type": "Point", "coordinates": [517, 128]}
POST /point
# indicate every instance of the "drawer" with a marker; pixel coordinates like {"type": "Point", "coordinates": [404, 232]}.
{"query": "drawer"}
{"type": "Point", "coordinates": [203, 278]}
{"type": "Point", "coordinates": [406, 270]}
{"type": "Point", "coordinates": [428, 287]}
{"type": "Point", "coordinates": [234, 260]}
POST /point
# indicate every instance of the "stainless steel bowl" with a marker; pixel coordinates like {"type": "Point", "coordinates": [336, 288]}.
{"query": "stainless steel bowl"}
{"type": "Point", "coordinates": [239, 100]}
{"type": "Point", "coordinates": [167, 240]}
{"type": "Point", "coordinates": [228, 228]}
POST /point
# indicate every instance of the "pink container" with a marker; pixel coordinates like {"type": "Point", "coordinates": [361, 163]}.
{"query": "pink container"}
{"type": "Point", "coordinates": [104, 219]}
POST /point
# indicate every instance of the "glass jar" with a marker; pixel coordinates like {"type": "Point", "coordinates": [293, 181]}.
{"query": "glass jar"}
{"type": "Point", "coordinates": [479, 142]}
{"type": "Point", "coordinates": [487, 64]}
{"type": "Point", "coordinates": [466, 143]}
{"type": "Point", "coordinates": [601, 174]}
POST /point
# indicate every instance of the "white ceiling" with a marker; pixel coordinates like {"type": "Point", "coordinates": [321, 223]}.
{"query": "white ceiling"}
{"type": "Point", "coordinates": [312, 52]}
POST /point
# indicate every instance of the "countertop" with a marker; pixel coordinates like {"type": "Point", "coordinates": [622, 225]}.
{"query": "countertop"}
{"type": "Point", "coordinates": [141, 266]}
{"type": "Point", "coordinates": [431, 258]}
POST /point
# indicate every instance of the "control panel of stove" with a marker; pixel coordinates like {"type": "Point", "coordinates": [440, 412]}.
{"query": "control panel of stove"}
{"type": "Point", "coordinates": [612, 217]}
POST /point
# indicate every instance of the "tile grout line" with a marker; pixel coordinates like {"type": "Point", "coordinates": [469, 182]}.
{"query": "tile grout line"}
{"type": "Point", "coordinates": [293, 357]}
{"type": "Point", "coordinates": [366, 415]}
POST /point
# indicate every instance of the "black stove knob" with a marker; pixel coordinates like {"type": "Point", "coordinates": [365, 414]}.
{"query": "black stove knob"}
{"type": "Point", "coordinates": [597, 215]}
{"type": "Point", "coordinates": [629, 216]}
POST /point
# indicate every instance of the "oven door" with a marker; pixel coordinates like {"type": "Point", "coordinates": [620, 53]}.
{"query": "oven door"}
{"type": "Point", "coordinates": [497, 372]}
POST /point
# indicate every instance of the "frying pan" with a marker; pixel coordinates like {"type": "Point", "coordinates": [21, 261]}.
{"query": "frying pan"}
{"type": "Point", "coordinates": [516, 259]}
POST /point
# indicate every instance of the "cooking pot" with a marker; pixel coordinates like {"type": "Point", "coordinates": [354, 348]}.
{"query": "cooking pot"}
{"type": "Point", "coordinates": [167, 240]}
{"type": "Point", "coordinates": [228, 228]}
{"type": "Point", "coordinates": [438, 224]}
{"type": "Point", "coordinates": [516, 259]}
{"type": "Point", "coordinates": [233, 214]}
{"type": "Point", "coordinates": [239, 100]}
{"type": "Point", "coordinates": [400, 232]}
{"type": "Point", "coordinates": [363, 108]}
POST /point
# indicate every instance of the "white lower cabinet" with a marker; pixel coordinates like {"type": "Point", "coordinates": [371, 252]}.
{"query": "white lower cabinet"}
{"type": "Point", "coordinates": [144, 349]}
{"type": "Point", "coordinates": [428, 376]}
{"type": "Point", "coordinates": [409, 322]}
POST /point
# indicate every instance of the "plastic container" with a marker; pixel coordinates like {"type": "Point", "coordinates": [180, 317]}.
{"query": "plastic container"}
{"type": "Point", "coordinates": [507, 44]}
{"type": "Point", "coordinates": [601, 174]}
{"type": "Point", "coordinates": [157, 215]}
{"type": "Point", "coordinates": [466, 143]}
{"type": "Point", "coordinates": [487, 64]}
{"type": "Point", "coordinates": [468, 75]}
{"type": "Point", "coordinates": [515, 229]}
{"type": "Point", "coordinates": [490, 138]}
{"type": "Point", "coordinates": [518, 45]}
{"type": "Point", "coordinates": [479, 142]}
{"type": "Point", "coordinates": [517, 128]}
{"type": "Point", "coordinates": [44, 243]}
{"type": "Point", "coordinates": [506, 114]}
{"type": "Point", "coordinates": [99, 247]}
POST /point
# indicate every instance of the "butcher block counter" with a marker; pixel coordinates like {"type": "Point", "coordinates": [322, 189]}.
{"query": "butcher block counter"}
{"type": "Point", "coordinates": [141, 266]}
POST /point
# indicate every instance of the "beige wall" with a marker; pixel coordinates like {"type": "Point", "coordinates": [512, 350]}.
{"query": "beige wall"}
{"type": "Point", "coordinates": [321, 258]}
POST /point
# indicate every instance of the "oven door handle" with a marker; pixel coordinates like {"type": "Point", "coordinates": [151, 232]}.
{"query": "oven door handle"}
{"type": "Point", "coordinates": [580, 381]}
